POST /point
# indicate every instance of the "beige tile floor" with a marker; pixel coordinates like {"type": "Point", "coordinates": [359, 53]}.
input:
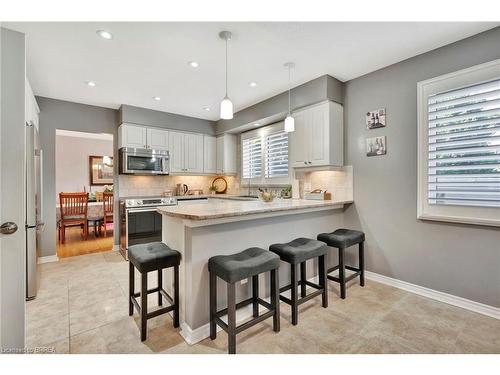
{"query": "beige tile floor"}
{"type": "Point", "coordinates": [82, 308]}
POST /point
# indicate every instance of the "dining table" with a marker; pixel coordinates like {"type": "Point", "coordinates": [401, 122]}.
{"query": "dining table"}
{"type": "Point", "coordinates": [94, 210]}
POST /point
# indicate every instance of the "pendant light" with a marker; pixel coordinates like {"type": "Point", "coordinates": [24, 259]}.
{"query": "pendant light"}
{"type": "Point", "coordinates": [226, 106]}
{"type": "Point", "coordinates": [289, 120]}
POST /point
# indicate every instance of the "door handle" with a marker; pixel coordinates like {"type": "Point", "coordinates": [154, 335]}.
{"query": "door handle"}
{"type": "Point", "coordinates": [8, 228]}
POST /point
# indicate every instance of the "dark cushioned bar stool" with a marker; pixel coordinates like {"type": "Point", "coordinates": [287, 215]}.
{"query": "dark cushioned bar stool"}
{"type": "Point", "coordinates": [298, 252]}
{"type": "Point", "coordinates": [154, 256]}
{"type": "Point", "coordinates": [342, 239]}
{"type": "Point", "coordinates": [233, 268]}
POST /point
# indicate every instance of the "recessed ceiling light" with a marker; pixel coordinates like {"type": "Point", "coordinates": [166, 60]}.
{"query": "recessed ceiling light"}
{"type": "Point", "coordinates": [252, 84]}
{"type": "Point", "coordinates": [157, 98]}
{"type": "Point", "coordinates": [256, 124]}
{"type": "Point", "coordinates": [193, 64]}
{"type": "Point", "coordinates": [90, 83]}
{"type": "Point", "coordinates": [206, 108]}
{"type": "Point", "coordinates": [104, 34]}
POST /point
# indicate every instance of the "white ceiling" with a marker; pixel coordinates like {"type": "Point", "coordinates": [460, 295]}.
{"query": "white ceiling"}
{"type": "Point", "coordinates": [150, 59]}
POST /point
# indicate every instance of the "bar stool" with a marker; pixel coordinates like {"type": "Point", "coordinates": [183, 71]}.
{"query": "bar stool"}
{"type": "Point", "coordinates": [342, 239]}
{"type": "Point", "coordinates": [154, 256]}
{"type": "Point", "coordinates": [298, 252]}
{"type": "Point", "coordinates": [233, 268]}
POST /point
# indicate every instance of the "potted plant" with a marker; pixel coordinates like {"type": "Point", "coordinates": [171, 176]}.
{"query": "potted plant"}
{"type": "Point", "coordinates": [286, 192]}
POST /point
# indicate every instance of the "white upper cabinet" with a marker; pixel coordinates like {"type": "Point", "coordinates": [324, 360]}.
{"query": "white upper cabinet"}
{"type": "Point", "coordinates": [318, 139]}
{"type": "Point", "coordinates": [186, 152]}
{"type": "Point", "coordinates": [209, 154]}
{"type": "Point", "coordinates": [176, 150]}
{"type": "Point", "coordinates": [157, 139]}
{"type": "Point", "coordinates": [226, 154]}
{"type": "Point", "coordinates": [132, 136]}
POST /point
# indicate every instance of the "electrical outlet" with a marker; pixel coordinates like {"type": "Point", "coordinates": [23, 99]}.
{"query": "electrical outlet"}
{"type": "Point", "coordinates": [244, 281]}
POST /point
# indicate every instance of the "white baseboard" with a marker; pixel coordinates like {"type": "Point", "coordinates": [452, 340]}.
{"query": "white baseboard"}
{"type": "Point", "coordinates": [48, 259]}
{"type": "Point", "coordinates": [450, 299]}
{"type": "Point", "coordinates": [116, 247]}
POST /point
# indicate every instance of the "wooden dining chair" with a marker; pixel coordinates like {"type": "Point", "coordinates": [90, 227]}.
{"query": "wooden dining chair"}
{"type": "Point", "coordinates": [107, 201]}
{"type": "Point", "coordinates": [74, 209]}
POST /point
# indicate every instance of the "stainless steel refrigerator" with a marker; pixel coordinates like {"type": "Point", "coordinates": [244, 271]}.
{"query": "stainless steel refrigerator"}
{"type": "Point", "coordinates": [34, 223]}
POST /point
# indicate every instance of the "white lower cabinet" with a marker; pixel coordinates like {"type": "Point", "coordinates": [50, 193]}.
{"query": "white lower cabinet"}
{"type": "Point", "coordinates": [318, 139]}
{"type": "Point", "coordinates": [209, 154]}
{"type": "Point", "coordinates": [186, 152]}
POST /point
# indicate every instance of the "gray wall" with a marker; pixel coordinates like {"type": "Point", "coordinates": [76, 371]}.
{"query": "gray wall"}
{"type": "Point", "coordinates": [149, 117]}
{"type": "Point", "coordinates": [462, 260]}
{"type": "Point", "coordinates": [275, 108]}
{"type": "Point", "coordinates": [58, 114]}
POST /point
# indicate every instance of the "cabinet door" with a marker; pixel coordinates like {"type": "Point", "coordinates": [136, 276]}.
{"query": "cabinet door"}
{"type": "Point", "coordinates": [157, 139]}
{"type": "Point", "coordinates": [193, 153]}
{"type": "Point", "coordinates": [176, 148]}
{"type": "Point", "coordinates": [209, 154]}
{"type": "Point", "coordinates": [133, 136]}
{"type": "Point", "coordinates": [300, 140]}
{"type": "Point", "coordinates": [226, 154]}
{"type": "Point", "coordinates": [319, 136]}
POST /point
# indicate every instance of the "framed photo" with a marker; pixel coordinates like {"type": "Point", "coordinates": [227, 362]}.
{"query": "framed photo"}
{"type": "Point", "coordinates": [101, 170]}
{"type": "Point", "coordinates": [375, 119]}
{"type": "Point", "coordinates": [376, 146]}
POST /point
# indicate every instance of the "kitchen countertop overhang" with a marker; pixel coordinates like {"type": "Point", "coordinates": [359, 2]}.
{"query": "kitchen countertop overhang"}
{"type": "Point", "coordinates": [218, 211]}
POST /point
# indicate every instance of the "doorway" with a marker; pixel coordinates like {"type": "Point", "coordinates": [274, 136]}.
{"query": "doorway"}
{"type": "Point", "coordinates": [84, 192]}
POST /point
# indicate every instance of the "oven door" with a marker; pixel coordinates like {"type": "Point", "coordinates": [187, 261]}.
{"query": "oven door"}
{"type": "Point", "coordinates": [143, 225]}
{"type": "Point", "coordinates": [144, 161]}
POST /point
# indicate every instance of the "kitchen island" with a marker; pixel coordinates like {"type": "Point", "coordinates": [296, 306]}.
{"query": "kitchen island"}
{"type": "Point", "coordinates": [221, 227]}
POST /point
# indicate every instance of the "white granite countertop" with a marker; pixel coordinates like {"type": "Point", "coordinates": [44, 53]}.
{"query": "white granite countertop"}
{"type": "Point", "coordinates": [225, 208]}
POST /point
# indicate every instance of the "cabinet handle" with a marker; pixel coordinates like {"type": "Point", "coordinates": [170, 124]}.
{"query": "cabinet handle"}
{"type": "Point", "coordinates": [305, 162]}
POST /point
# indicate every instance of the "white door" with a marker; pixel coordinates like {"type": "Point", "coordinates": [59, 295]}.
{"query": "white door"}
{"type": "Point", "coordinates": [209, 154]}
{"type": "Point", "coordinates": [12, 190]}
{"type": "Point", "coordinates": [193, 153]}
{"type": "Point", "coordinates": [319, 135]}
{"type": "Point", "coordinates": [157, 139]}
{"type": "Point", "coordinates": [300, 140]}
{"type": "Point", "coordinates": [176, 148]}
{"type": "Point", "coordinates": [133, 136]}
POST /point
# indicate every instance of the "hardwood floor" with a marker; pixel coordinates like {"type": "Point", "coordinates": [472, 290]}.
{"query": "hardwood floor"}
{"type": "Point", "coordinates": [76, 245]}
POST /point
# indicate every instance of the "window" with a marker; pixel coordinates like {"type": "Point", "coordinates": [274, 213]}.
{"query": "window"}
{"type": "Point", "coordinates": [264, 155]}
{"type": "Point", "coordinates": [459, 146]}
{"type": "Point", "coordinates": [277, 155]}
{"type": "Point", "coordinates": [252, 157]}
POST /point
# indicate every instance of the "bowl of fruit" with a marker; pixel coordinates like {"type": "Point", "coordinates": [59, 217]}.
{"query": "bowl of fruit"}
{"type": "Point", "coordinates": [266, 196]}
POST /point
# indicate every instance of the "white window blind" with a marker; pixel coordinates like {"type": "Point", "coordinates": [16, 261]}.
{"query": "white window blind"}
{"type": "Point", "coordinates": [276, 155]}
{"type": "Point", "coordinates": [464, 146]}
{"type": "Point", "coordinates": [252, 157]}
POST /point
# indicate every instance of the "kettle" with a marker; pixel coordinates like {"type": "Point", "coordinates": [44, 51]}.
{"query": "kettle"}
{"type": "Point", "coordinates": [182, 189]}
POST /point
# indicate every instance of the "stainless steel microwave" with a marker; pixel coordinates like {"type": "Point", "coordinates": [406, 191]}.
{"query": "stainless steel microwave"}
{"type": "Point", "coordinates": [143, 161]}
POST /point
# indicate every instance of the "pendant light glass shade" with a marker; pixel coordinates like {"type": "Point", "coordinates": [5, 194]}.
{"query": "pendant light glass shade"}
{"type": "Point", "coordinates": [226, 106]}
{"type": "Point", "coordinates": [289, 124]}
{"type": "Point", "coordinates": [226, 109]}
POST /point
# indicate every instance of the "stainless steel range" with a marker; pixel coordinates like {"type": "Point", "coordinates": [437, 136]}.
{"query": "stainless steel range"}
{"type": "Point", "coordinates": [140, 221]}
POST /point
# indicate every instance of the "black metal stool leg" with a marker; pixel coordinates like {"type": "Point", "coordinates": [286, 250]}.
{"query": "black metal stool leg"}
{"type": "Point", "coordinates": [322, 280]}
{"type": "Point", "coordinates": [131, 288]}
{"type": "Point", "coordinates": [176, 296]}
{"type": "Point", "coordinates": [213, 304]}
{"type": "Point", "coordinates": [144, 305]}
{"type": "Point", "coordinates": [362, 263]}
{"type": "Point", "coordinates": [342, 272]}
{"type": "Point", "coordinates": [231, 317]}
{"type": "Point", "coordinates": [255, 295]}
{"type": "Point", "coordinates": [293, 291]}
{"type": "Point", "coordinates": [275, 299]}
{"type": "Point", "coordinates": [303, 279]}
{"type": "Point", "coordinates": [160, 285]}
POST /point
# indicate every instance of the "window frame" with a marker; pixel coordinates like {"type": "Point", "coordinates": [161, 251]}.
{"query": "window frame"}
{"type": "Point", "coordinates": [263, 133]}
{"type": "Point", "coordinates": [489, 216]}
